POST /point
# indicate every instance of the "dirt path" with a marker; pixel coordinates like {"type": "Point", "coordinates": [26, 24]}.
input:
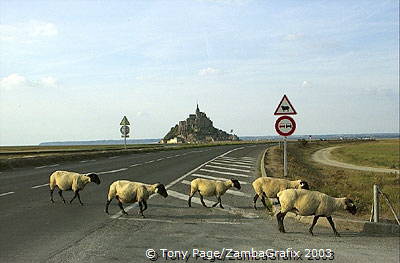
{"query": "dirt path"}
{"type": "Point", "coordinates": [324, 156]}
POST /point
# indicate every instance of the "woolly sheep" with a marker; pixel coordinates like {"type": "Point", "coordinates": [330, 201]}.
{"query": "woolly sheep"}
{"type": "Point", "coordinates": [66, 181]}
{"type": "Point", "coordinates": [131, 192]}
{"type": "Point", "coordinates": [307, 203]}
{"type": "Point", "coordinates": [207, 187]}
{"type": "Point", "coordinates": [269, 187]}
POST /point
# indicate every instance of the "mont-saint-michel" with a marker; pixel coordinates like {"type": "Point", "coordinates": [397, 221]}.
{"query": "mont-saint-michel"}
{"type": "Point", "coordinates": [197, 128]}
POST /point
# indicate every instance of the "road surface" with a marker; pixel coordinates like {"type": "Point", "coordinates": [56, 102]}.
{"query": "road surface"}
{"type": "Point", "coordinates": [35, 230]}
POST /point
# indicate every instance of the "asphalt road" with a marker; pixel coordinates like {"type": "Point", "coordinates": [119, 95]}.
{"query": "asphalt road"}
{"type": "Point", "coordinates": [35, 230]}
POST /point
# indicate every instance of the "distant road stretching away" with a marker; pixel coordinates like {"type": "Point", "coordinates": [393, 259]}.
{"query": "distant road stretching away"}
{"type": "Point", "coordinates": [324, 156]}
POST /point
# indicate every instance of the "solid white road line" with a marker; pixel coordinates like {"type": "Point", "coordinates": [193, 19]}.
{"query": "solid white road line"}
{"type": "Point", "coordinates": [215, 178]}
{"type": "Point", "coordinates": [228, 168]}
{"type": "Point", "coordinates": [228, 173]}
{"type": "Point", "coordinates": [232, 164]}
{"type": "Point", "coordinates": [113, 157]}
{"type": "Point", "coordinates": [113, 171]}
{"type": "Point", "coordinates": [136, 164]}
{"type": "Point", "coordinates": [8, 193]}
{"type": "Point", "coordinates": [152, 161]}
{"type": "Point", "coordinates": [159, 159]}
{"type": "Point", "coordinates": [38, 186]}
{"type": "Point", "coordinates": [232, 192]}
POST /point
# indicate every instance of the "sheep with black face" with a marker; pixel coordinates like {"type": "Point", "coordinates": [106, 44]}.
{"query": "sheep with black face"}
{"type": "Point", "coordinates": [269, 187]}
{"type": "Point", "coordinates": [215, 188]}
{"type": "Point", "coordinates": [67, 181]}
{"type": "Point", "coordinates": [307, 203]}
{"type": "Point", "coordinates": [131, 192]}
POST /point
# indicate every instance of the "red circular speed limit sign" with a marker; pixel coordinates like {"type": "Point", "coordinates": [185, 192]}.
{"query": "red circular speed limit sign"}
{"type": "Point", "coordinates": [285, 126]}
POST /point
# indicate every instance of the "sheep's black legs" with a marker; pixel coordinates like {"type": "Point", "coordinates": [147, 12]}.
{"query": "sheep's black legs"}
{"type": "Point", "coordinates": [107, 204]}
{"type": "Point", "coordinates": [76, 195]}
{"type": "Point", "coordinates": [120, 206]}
{"type": "Point", "coordinates": [254, 201]}
{"type": "Point", "coordinates": [60, 193]}
{"type": "Point", "coordinates": [313, 224]}
{"type": "Point", "coordinates": [202, 200]}
{"type": "Point", "coordinates": [219, 202]}
{"type": "Point", "coordinates": [263, 200]}
{"type": "Point", "coordinates": [332, 225]}
{"type": "Point", "coordinates": [145, 205]}
{"type": "Point", "coordinates": [280, 216]}
{"type": "Point", "coordinates": [51, 195]}
{"type": "Point", "coordinates": [190, 199]}
{"type": "Point", "coordinates": [141, 209]}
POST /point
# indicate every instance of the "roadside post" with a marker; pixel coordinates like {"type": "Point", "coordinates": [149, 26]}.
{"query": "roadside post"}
{"type": "Point", "coordinates": [285, 126]}
{"type": "Point", "coordinates": [124, 129]}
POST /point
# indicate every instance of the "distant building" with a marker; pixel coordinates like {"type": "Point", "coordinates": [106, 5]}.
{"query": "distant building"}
{"type": "Point", "coordinates": [196, 128]}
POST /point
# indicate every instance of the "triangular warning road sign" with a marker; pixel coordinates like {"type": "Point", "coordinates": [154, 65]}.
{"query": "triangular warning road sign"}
{"type": "Point", "coordinates": [125, 121]}
{"type": "Point", "coordinates": [285, 107]}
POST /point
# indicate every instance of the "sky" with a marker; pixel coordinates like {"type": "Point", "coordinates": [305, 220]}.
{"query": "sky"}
{"type": "Point", "coordinates": [70, 70]}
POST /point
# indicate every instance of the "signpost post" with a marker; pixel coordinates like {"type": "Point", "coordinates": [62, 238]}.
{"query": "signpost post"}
{"type": "Point", "coordinates": [124, 129]}
{"type": "Point", "coordinates": [285, 126]}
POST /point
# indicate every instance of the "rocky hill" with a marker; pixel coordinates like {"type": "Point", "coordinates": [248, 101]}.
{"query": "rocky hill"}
{"type": "Point", "coordinates": [197, 128]}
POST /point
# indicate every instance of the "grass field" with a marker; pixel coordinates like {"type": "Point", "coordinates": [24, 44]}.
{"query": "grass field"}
{"type": "Point", "coordinates": [334, 181]}
{"type": "Point", "coordinates": [383, 153]}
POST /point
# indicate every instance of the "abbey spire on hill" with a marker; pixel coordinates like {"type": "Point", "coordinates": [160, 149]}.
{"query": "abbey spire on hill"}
{"type": "Point", "coordinates": [197, 128]}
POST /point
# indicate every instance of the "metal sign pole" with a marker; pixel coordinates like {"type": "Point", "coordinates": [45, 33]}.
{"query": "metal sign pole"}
{"type": "Point", "coordinates": [284, 157]}
{"type": "Point", "coordinates": [125, 140]}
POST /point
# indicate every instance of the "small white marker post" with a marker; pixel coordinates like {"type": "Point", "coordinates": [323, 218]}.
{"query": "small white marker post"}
{"type": "Point", "coordinates": [284, 157]}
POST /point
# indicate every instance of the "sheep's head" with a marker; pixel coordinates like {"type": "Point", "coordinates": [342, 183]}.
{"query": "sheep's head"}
{"type": "Point", "coordinates": [236, 183]}
{"type": "Point", "coordinates": [160, 189]}
{"type": "Point", "coordinates": [350, 206]}
{"type": "Point", "coordinates": [94, 178]}
{"type": "Point", "coordinates": [304, 185]}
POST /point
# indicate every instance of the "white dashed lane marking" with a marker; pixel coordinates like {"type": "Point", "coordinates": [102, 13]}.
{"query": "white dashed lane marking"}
{"type": "Point", "coordinates": [113, 171]}
{"type": "Point", "coordinates": [38, 186]}
{"type": "Point", "coordinates": [47, 166]}
{"type": "Point", "coordinates": [8, 193]}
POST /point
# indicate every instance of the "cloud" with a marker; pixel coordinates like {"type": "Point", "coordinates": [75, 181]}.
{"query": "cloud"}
{"type": "Point", "coordinates": [27, 32]}
{"type": "Point", "coordinates": [49, 82]}
{"type": "Point", "coordinates": [208, 71]}
{"type": "Point", "coordinates": [16, 81]}
{"type": "Point", "coordinates": [293, 37]}
{"type": "Point", "coordinates": [306, 84]}
{"type": "Point", "coordinates": [42, 29]}
{"type": "Point", "coordinates": [13, 81]}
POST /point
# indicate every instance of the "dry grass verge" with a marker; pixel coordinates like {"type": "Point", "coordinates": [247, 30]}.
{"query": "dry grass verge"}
{"type": "Point", "coordinates": [335, 181]}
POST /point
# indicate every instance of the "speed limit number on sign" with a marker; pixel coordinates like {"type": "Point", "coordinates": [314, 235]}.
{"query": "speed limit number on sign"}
{"type": "Point", "coordinates": [285, 126]}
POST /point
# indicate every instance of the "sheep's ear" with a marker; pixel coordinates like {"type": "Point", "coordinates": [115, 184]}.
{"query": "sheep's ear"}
{"type": "Point", "coordinates": [304, 185]}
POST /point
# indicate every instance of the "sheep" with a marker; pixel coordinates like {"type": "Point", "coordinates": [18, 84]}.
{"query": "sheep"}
{"type": "Point", "coordinates": [307, 203]}
{"type": "Point", "coordinates": [66, 181]}
{"type": "Point", "coordinates": [207, 187]}
{"type": "Point", "coordinates": [269, 187]}
{"type": "Point", "coordinates": [131, 192]}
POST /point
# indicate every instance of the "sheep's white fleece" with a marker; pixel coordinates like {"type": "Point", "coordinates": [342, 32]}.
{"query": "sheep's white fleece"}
{"type": "Point", "coordinates": [307, 203]}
